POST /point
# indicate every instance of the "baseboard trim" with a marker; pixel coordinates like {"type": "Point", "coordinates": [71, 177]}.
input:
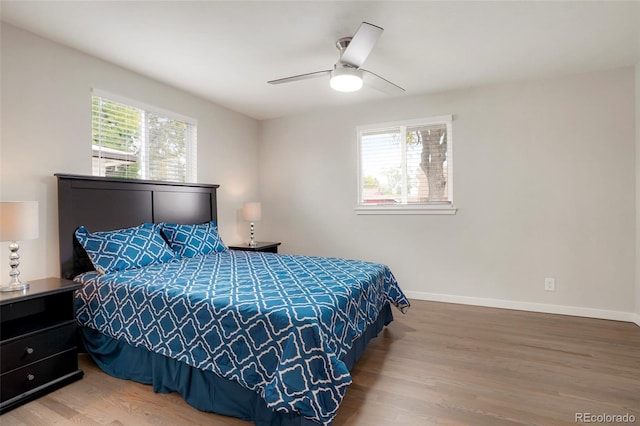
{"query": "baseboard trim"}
{"type": "Point", "coordinates": [527, 306]}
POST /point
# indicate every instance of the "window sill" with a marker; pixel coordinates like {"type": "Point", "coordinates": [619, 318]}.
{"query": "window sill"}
{"type": "Point", "coordinates": [413, 210]}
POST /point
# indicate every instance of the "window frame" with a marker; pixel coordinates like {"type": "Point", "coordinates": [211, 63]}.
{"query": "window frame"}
{"type": "Point", "coordinates": [413, 208]}
{"type": "Point", "coordinates": [191, 156]}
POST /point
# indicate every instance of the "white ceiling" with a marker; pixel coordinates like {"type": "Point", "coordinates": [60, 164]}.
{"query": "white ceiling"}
{"type": "Point", "coordinates": [226, 51]}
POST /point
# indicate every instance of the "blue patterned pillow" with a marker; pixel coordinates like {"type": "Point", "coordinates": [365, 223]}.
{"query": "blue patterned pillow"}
{"type": "Point", "coordinates": [193, 240]}
{"type": "Point", "coordinates": [125, 248]}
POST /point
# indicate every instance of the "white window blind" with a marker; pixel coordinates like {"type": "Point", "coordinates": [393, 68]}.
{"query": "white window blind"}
{"type": "Point", "coordinates": [405, 164]}
{"type": "Point", "coordinates": [134, 141]}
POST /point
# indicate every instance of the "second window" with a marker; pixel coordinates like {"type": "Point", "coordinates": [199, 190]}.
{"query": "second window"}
{"type": "Point", "coordinates": [406, 163]}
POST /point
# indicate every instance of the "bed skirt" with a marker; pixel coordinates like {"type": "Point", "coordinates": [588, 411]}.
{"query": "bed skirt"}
{"type": "Point", "coordinates": [202, 389]}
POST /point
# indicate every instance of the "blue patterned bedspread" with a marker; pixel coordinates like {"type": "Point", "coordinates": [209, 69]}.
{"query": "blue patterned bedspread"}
{"type": "Point", "coordinates": [276, 324]}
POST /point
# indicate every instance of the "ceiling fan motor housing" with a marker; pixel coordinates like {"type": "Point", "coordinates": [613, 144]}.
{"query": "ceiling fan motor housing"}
{"type": "Point", "coordinates": [343, 43]}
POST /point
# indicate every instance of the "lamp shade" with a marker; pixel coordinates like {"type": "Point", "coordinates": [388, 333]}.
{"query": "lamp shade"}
{"type": "Point", "coordinates": [18, 220]}
{"type": "Point", "coordinates": [252, 211]}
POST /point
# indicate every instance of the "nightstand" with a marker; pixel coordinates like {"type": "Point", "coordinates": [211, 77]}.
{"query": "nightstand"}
{"type": "Point", "coordinates": [38, 352]}
{"type": "Point", "coordinates": [264, 246]}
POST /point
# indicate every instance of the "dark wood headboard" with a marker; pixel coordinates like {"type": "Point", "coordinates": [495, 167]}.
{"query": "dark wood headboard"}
{"type": "Point", "coordinates": [105, 204]}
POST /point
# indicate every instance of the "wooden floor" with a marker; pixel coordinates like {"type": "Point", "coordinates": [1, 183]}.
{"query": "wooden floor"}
{"type": "Point", "coordinates": [439, 364]}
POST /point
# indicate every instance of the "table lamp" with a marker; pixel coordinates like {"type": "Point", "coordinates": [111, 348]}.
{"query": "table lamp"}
{"type": "Point", "coordinates": [252, 212]}
{"type": "Point", "coordinates": [18, 221]}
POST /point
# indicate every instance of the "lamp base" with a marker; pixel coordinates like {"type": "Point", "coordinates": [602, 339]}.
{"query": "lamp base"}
{"type": "Point", "coordinates": [14, 261]}
{"type": "Point", "coordinates": [252, 241]}
{"type": "Point", "coordinates": [19, 286]}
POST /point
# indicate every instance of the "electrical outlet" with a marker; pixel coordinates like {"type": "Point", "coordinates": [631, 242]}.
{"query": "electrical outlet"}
{"type": "Point", "coordinates": [550, 284]}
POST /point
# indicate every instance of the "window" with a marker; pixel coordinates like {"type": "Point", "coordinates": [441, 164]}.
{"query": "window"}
{"type": "Point", "coordinates": [135, 141]}
{"type": "Point", "coordinates": [406, 167]}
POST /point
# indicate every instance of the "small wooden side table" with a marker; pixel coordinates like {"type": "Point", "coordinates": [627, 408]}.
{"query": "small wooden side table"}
{"type": "Point", "coordinates": [264, 246]}
{"type": "Point", "coordinates": [38, 346]}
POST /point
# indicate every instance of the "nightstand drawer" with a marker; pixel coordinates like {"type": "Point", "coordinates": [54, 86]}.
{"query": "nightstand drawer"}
{"type": "Point", "coordinates": [37, 374]}
{"type": "Point", "coordinates": [36, 346]}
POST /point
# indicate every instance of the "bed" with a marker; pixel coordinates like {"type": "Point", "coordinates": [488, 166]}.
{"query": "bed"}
{"type": "Point", "coordinates": [264, 337]}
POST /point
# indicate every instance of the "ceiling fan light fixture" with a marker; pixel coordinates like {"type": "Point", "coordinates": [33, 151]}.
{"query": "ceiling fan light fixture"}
{"type": "Point", "coordinates": [346, 79]}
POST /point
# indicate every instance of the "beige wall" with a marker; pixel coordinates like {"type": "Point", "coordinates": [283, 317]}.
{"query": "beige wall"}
{"type": "Point", "coordinates": [547, 178]}
{"type": "Point", "coordinates": [544, 178]}
{"type": "Point", "coordinates": [46, 128]}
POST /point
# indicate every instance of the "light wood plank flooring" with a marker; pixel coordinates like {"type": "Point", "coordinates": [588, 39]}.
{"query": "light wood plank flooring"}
{"type": "Point", "coordinates": [439, 364]}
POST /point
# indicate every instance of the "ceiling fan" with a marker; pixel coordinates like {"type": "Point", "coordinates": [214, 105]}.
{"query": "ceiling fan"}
{"type": "Point", "coordinates": [346, 75]}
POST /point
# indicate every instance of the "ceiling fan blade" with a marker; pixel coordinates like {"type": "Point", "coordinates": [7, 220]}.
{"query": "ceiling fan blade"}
{"type": "Point", "coordinates": [381, 84]}
{"type": "Point", "coordinates": [300, 77]}
{"type": "Point", "coordinates": [361, 44]}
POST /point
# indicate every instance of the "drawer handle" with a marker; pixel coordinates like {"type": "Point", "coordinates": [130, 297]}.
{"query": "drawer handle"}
{"type": "Point", "coordinates": [30, 377]}
{"type": "Point", "coordinates": [29, 351]}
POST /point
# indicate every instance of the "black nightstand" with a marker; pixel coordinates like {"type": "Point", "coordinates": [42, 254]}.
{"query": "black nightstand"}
{"type": "Point", "coordinates": [38, 351]}
{"type": "Point", "coordinates": [265, 246]}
